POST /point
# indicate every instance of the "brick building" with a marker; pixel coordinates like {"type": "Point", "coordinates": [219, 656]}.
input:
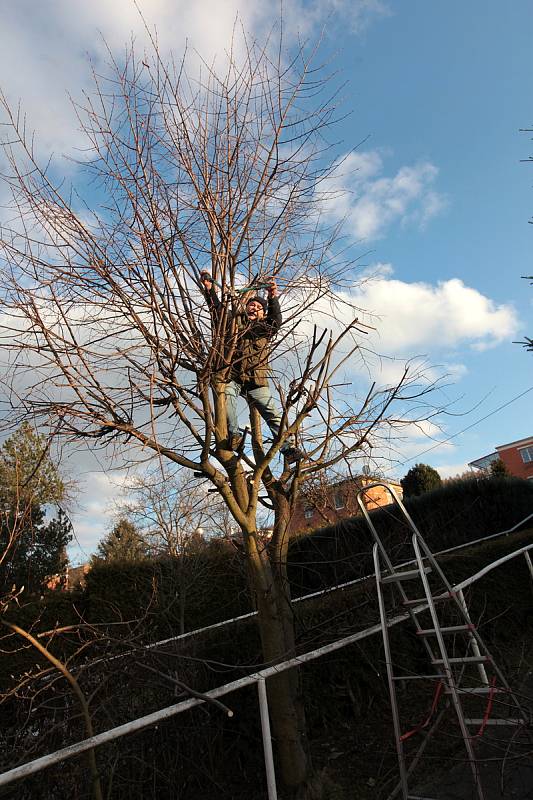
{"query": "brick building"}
{"type": "Point", "coordinates": [322, 504]}
{"type": "Point", "coordinates": [517, 457]}
{"type": "Point", "coordinates": [71, 578]}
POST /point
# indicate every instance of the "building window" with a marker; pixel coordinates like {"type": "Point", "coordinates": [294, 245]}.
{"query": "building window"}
{"type": "Point", "coordinates": [308, 512]}
{"type": "Point", "coordinates": [338, 500]}
{"type": "Point", "coordinates": [526, 454]}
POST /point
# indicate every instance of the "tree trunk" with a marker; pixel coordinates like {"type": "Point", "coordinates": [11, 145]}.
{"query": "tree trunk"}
{"type": "Point", "coordinates": [277, 639]}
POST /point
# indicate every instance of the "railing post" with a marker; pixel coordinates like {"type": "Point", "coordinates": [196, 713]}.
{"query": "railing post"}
{"type": "Point", "coordinates": [267, 740]}
{"type": "Point", "coordinates": [529, 564]}
{"type": "Point", "coordinates": [473, 642]}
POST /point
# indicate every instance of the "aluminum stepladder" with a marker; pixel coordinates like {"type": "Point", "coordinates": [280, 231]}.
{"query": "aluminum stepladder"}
{"type": "Point", "coordinates": [453, 673]}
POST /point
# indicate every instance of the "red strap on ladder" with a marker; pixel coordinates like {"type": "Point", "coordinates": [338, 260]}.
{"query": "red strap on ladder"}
{"type": "Point", "coordinates": [438, 692]}
{"type": "Point", "coordinates": [488, 708]}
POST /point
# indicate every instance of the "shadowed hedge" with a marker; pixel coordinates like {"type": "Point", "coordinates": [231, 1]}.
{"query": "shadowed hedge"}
{"type": "Point", "coordinates": [459, 512]}
{"type": "Point", "coordinates": [215, 580]}
{"type": "Point", "coordinates": [198, 590]}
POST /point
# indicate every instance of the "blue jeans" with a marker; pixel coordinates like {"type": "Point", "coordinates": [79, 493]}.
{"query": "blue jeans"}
{"type": "Point", "coordinates": [260, 398]}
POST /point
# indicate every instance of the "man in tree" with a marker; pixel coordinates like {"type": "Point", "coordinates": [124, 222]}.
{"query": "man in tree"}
{"type": "Point", "coordinates": [252, 328]}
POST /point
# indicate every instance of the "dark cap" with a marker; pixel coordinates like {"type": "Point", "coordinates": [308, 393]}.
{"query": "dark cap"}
{"type": "Point", "coordinates": [260, 300]}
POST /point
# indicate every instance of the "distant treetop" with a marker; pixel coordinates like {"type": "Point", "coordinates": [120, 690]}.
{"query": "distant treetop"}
{"type": "Point", "coordinates": [122, 543]}
{"type": "Point", "coordinates": [420, 479]}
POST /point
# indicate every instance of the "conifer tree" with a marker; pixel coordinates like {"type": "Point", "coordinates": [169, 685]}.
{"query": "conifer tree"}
{"type": "Point", "coordinates": [498, 469]}
{"type": "Point", "coordinates": [31, 548]}
{"type": "Point", "coordinates": [420, 479]}
{"type": "Point", "coordinates": [122, 543]}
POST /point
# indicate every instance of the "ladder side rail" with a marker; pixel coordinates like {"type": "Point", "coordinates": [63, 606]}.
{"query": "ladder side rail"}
{"type": "Point", "coordinates": [385, 556]}
{"type": "Point", "coordinates": [403, 510]}
{"type": "Point", "coordinates": [456, 593]}
{"type": "Point", "coordinates": [390, 674]}
{"type": "Point", "coordinates": [447, 669]}
{"type": "Point", "coordinates": [364, 510]}
{"type": "Point", "coordinates": [435, 564]}
{"type": "Point", "coordinates": [396, 500]}
{"type": "Point", "coordinates": [418, 755]}
{"type": "Point", "coordinates": [377, 539]}
{"type": "Point", "coordinates": [457, 596]}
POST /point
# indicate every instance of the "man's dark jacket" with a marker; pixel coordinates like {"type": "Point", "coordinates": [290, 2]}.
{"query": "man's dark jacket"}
{"type": "Point", "coordinates": [249, 361]}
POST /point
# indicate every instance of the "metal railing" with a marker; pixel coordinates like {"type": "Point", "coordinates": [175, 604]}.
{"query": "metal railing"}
{"type": "Point", "coordinates": [258, 678]}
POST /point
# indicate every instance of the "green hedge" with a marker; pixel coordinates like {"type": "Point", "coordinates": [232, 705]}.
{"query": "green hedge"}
{"type": "Point", "coordinates": [459, 512]}
{"type": "Point", "coordinates": [205, 588]}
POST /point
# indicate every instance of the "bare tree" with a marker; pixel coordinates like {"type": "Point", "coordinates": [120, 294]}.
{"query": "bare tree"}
{"type": "Point", "coordinates": [170, 509]}
{"type": "Point", "coordinates": [173, 512]}
{"type": "Point", "coordinates": [108, 333]}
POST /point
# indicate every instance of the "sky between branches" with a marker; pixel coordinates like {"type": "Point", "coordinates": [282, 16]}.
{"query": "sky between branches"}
{"type": "Point", "coordinates": [435, 195]}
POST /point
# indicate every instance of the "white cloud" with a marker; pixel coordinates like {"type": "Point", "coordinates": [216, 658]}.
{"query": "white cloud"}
{"type": "Point", "coordinates": [370, 202]}
{"type": "Point", "coordinates": [452, 470]}
{"type": "Point", "coordinates": [46, 48]}
{"type": "Point", "coordinates": [418, 318]}
{"type": "Point", "coordinates": [94, 516]}
{"type": "Point", "coordinates": [415, 317]}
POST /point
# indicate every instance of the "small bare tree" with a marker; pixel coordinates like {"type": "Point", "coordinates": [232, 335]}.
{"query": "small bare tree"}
{"type": "Point", "coordinates": [173, 512]}
{"type": "Point", "coordinates": [107, 329]}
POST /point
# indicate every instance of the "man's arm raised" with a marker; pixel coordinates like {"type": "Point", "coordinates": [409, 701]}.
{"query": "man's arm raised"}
{"type": "Point", "coordinates": [274, 318]}
{"type": "Point", "coordinates": [207, 283]}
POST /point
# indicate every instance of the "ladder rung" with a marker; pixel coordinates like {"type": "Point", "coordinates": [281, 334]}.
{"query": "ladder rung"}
{"type": "Point", "coordinates": [492, 721]}
{"type": "Point", "coordinates": [433, 677]}
{"type": "Point", "coordinates": [464, 660]}
{"type": "Point", "coordinates": [477, 690]}
{"type": "Point", "coordinates": [436, 599]}
{"type": "Point", "coordinates": [449, 629]}
{"type": "Point", "coordinates": [405, 575]}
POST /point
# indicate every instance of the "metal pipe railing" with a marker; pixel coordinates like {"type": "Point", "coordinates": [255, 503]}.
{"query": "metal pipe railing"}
{"type": "Point", "coordinates": [260, 677]}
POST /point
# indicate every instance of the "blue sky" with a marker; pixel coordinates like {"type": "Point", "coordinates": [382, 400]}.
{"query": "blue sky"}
{"type": "Point", "coordinates": [440, 200]}
{"type": "Point", "coordinates": [450, 83]}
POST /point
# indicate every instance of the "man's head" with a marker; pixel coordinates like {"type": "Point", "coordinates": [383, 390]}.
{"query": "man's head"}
{"type": "Point", "coordinates": [256, 308]}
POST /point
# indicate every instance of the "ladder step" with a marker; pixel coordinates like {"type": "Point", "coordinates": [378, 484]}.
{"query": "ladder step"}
{"type": "Point", "coordinates": [404, 575]}
{"type": "Point", "coordinates": [464, 660]}
{"type": "Point", "coordinates": [449, 629]}
{"type": "Point", "coordinates": [418, 797]}
{"type": "Point", "coordinates": [477, 690]}
{"type": "Point", "coordinates": [438, 598]}
{"type": "Point", "coordinates": [433, 677]}
{"type": "Point", "coordinates": [492, 721]}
